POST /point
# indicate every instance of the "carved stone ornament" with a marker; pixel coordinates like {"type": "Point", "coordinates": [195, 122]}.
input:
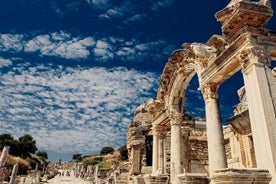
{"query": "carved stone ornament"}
{"type": "Point", "coordinates": [176, 118]}
{"type": "Point", "coordinates": [210, 91]}
{"type": "Point", "coordinates": [255, 54]}
{"type": "Point", "coordinates": [199, 53]}
{"type": "Point", "coordinates": [261, 2]}
{"type": "Point", "coordinates": [265, 2]}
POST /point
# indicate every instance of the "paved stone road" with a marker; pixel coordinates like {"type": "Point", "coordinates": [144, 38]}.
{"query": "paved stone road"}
{"type": "Point", "coordinates": [67, 180]}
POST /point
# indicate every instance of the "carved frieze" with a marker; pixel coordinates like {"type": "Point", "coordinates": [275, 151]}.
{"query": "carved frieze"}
{"type": "Point", "coordinates": [241, 13]}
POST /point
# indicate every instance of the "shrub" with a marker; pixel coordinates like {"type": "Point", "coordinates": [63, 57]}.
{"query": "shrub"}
{"type": "Point", "coordinates": [123, 152]}
{"type": "Point", "coordinates": [107, 149]}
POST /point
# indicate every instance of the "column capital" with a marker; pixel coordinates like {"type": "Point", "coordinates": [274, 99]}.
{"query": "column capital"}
{"type": "Point", "coordinates": [176, 118]}
{"type": "Point", "coordinates": [210, 91]}
{"type": "Point", "coordinates": [159, 131]}
{"type": "Point", "coordinates": [255, 54]}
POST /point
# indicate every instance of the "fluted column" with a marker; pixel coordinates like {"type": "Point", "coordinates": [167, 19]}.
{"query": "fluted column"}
{"type": "Point", "coordinates": [216, 149]}
{"type": "Point", "coordinates": [159, 144]}
{"type": "Point", "coordinates": [155, 151]}
{"type": "Point", "coordinates": [176, 121]}
{"type": "Point", "coordinates": [261, 98]}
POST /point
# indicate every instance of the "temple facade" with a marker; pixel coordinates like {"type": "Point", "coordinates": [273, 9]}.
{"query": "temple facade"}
{"type": "Point", "coordinates": [167, 145]}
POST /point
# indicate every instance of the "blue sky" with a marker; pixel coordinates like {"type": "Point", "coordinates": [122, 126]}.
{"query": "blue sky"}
{"type": "Point", "coordinates": [73, 71]}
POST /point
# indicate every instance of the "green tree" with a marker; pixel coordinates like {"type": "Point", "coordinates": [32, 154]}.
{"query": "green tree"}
{"type": "Point", "coordinates": [123, 152]}
{"type": "Point", "coordinates": [8, 140]}
{"type": "Point", "coordinates": [107, 149]}
{"type": "Point", "coordinates": [77, 157]}
{"type": "Point", "coordinates": [27, 145]}
{"type": "Point", "coordinates": [42, 154]}
{"type": "Point", "coordinates": [94, 161]}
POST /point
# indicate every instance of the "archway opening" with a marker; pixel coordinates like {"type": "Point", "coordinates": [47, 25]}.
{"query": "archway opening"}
{"type": "Point", "coordinates": [228, 96]}
{"type": "Point", "coordinates": [194, 101]}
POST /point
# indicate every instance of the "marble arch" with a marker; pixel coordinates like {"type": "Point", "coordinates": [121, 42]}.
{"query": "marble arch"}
{"type": "Point", "coordinates": [245, 44]}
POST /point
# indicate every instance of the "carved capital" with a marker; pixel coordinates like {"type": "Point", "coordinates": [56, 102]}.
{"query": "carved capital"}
{"type": "Point", "coordinates": [159, 131]}
{"type": "Point", "coordinates": [176, 118]}
{"type": "Point", "coordinates": [253, 55]}
{"type": "Point", "coordinates": [210, 91]}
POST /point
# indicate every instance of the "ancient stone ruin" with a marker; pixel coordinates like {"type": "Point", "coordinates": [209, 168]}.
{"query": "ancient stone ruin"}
{"type": "Point", "coordinates": [167, 145]}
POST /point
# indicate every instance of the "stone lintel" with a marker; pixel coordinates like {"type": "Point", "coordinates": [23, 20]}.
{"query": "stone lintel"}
{"type": "Point", "coordinates": [156, 179]}
{"type": "Point", "coordinates": [241, 176]}
{"type": "Point", "coordinates": [226, 64]}
{"type": "Point", "coordinates": [161, 120]}
{"type": "Point", "coordinates": [193, 178]}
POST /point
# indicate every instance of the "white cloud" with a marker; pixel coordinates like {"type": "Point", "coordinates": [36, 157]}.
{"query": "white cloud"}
{"type": "Point", "coordinates": [135, 18]}
{"type": "Point", "coordinates": [61, 45]}
{"type": "Point", "coordinates": [99, 4]}
{"type": "Point", "coordinates": [64, 45]}
{"type": "Point", "coordinates": [103, 50]}
{"type": "Point", "coordinates": [59, 106]}
{"type": "Point", "coordinates": [38, 43]}
{"type": "Point", "coordinates": [157, 4]}
{"type": "Point", "coordinates": [5, 62]}
{"type": "Point", "coordinates": [111, 13]}
{"type": "Point", "coordinates": [10, 42]}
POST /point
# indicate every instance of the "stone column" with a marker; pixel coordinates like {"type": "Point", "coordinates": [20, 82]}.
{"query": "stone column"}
{"type": "Point", "coordinates": [159, 143]}
{"type": "Point", "coordinates": [4, 155]}
{"type": "Point", "coordinates": [261, 96]}
{"type": "Point", "coordinates": [155, 151]}
{"type": "Point", "coordinates": [136, 159]}
{"type": "Point", "coordinates": [161, 152]}
{"type": "Point", "coordinates": [176, 166]}
{"type": "Point", "coordinates": [216, 149]}
{"type": "Point", "coordinates": [14, 173]}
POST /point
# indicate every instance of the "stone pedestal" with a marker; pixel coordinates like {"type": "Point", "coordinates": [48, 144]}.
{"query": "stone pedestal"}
{"type": "Point", "coordinates": [241, 176]}
{"type": "Point", "coordinates": [193, 178]}
{"type": "Point", "coordinates": [138, 180]}
{"type": "Point", "coordinates": [158, 179]}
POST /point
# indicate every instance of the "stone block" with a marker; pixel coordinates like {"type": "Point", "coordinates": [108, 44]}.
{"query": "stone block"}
{"type": "Point", "coordinates": [193, 178]}
{"type": "Point", "coordinates": [158, 179]}
{"type": "Point", "coordinates": [241, 176]}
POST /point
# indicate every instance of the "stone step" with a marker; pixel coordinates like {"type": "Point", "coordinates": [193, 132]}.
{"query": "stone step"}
{"type": "Point", "coordinates": [122, 178]}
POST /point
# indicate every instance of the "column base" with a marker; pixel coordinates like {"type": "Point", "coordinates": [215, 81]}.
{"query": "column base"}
{"type": "Point", "coordinates": [158, 179]}
{"type": "Point", "coordinates": [193, 178]}
{"type": "Point", "coordinates": [138, 179]}
{"type": "Point", "coordinates": [241, 176]}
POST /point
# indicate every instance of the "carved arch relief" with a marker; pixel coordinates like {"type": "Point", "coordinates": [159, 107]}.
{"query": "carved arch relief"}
{"type": "Point", "coordinates": [177, 74]}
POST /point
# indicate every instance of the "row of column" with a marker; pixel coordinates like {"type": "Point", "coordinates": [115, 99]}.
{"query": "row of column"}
{"type": "Point", "coordinates": [159, 148]}
{"type": "Point", "coordinates": [159, 151]}
{"type": "Point", "coordinates": [261, 98]}
{"type": "Point", "coordinates": [261, 95]}
{"type": "Point", "coordinates": [216, 150]}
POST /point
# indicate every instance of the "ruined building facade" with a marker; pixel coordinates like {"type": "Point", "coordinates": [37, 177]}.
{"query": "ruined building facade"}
{"type": "Point", "coordinates": [167, 145]}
